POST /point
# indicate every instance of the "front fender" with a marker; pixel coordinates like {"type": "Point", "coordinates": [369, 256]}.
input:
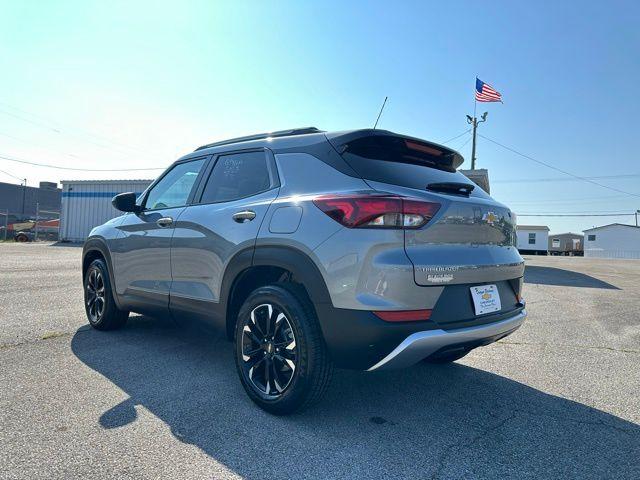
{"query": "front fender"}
{"type": "Point", "coordinates": [99, 245]}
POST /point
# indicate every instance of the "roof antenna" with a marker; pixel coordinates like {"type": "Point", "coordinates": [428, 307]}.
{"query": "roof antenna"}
{"type": "Point", "coordinates": [383, 104]}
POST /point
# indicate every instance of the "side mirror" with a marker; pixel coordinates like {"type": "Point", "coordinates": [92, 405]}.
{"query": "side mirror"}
{"type": "Point", "coordinates": [125, 202]}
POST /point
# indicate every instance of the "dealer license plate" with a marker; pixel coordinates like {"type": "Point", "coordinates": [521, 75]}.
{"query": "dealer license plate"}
{"type": "Point", "coordinates": [486, 299]}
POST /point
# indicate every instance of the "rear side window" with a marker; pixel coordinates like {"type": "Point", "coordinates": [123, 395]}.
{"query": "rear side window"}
{"type": "Point", "coordinates": [380, 160]}
{"type": "Point", "coordinates": [238, 175]}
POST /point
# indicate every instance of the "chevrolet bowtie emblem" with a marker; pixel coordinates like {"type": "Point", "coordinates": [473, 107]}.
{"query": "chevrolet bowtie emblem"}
{"type": "Point", "coordinates": [489, 217]}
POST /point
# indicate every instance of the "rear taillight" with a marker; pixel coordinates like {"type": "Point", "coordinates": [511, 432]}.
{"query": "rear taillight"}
{"type": "Point", "coordinates": [377, 211]}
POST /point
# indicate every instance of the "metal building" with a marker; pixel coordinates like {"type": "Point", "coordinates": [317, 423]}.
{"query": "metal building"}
{"type": "Point", "coordinates": [23, 202]}
{"type": "Point", "coordinates": [30, 210]}
{"type": "Point", "coordinates": [616, 240]}
{"type": "Point", "coordinates": [87, 203]}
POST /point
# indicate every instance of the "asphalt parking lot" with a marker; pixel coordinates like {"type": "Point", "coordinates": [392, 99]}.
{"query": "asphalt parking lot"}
{"type": "Point", "coordinates": [560, 398]}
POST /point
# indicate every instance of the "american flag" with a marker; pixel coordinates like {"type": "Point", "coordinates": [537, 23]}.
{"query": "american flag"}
{"type": "Point", "coordinates": [486, 93]}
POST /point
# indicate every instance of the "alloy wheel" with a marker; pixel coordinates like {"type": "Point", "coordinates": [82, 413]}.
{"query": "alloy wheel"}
{"type": "Point", "coordinates": [95, 295]}
{"type": "Point", "coordinates": [269, 351]}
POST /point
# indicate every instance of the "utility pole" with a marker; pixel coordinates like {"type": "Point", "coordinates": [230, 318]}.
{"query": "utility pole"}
{"type": "Point", "coordinates": [6, 223]}
{"type": "Point", "coordinates": [474, 122]}
{"type": "Point", "coordinates": [24, 192]}
{"type": "Point", "coordinates": [37, 220]}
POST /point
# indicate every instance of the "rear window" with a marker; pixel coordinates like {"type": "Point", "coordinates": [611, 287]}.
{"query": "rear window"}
{"type": "Point", "coordinates": [393, 160]}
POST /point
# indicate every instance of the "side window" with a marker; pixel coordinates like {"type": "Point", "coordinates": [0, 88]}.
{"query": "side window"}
{"type": "Point", "coordinates": [174, 188]}
{"type": "Point", "coordinates": [238, 175]}
{"type": "Point", "coordinates": [532, 239]}
{"type": "Point", "coordinates": [591, 238]}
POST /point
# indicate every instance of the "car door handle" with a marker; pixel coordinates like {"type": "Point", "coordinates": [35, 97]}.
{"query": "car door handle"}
{"type": "Point", "coordinates": [164, 222]}
{"type": "Point", "coordinates": [244, 216]}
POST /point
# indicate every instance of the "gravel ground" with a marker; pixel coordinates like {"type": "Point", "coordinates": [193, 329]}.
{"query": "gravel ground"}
{"type": "Point", "coordinates": [560, 398]}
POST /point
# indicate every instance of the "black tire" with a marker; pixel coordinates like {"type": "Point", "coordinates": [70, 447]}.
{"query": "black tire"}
{"type": "Point", "coordinates": [22, 238]}
{"type": "Point", "coordinates": [447, 357]}
{"type": "Point", "coordinates": [101, 309]}
{"type": "Point", "coordinates": [298, 375]}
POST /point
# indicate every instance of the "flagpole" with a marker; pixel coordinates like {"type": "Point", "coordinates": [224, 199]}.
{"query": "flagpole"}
{"type": "Point", "coordinates": [491, 95]}
{"type": "Point", "coordinates": [475, 102]}
{"type": "Point", "coordinates": [475, 125]}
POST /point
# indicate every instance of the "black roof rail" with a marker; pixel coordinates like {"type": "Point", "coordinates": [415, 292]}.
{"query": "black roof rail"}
{"type": "Point", "coordinates": [261, 136]}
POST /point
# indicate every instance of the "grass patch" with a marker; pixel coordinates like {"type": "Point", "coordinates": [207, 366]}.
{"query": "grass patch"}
{"type": "Point", "coordinates": [48, 335]}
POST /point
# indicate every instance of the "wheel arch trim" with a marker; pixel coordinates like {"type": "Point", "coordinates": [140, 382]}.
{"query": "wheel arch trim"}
{"type": "Point", "coordinates": [303, 268]}
{"type": "Point", "coordinates": [98, 244]}
{"type": "Point", "coordinates": [300, 264]}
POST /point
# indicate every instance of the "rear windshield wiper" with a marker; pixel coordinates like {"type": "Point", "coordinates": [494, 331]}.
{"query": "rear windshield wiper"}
{"type": "Point", "coordinates": [452, 187]}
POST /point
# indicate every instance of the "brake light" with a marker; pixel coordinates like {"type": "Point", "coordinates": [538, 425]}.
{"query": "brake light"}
{"type": "Point", "coordinates": [404, 315]}
{"type": "Point", "coordinates": [377, 211]}
{"type": "Point", "coordinates": [421, 147]}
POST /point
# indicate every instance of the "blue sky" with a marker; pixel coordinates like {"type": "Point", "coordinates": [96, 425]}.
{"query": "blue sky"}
{"type": "Point", "coordinates": [115, 85]}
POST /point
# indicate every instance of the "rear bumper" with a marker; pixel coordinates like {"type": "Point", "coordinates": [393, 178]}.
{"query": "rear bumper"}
{"type": "Point", "coordinates": [358, 339]}
{"type": "Point", "coordinates": [420, 345]}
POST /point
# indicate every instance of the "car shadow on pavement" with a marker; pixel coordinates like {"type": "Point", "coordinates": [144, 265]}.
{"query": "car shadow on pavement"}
{"type": "Point", "coordinates": [449, 421]}
{"type": "Point", "coordinates": [563, 278]}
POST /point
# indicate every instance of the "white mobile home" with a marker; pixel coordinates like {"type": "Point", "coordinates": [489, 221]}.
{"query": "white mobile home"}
{"type": "Point", "coordinates": [612, 241]}
{"type": "Point", "coordinates": [533, 239]}
{"type": "Point", "coordinates": [87, 203]}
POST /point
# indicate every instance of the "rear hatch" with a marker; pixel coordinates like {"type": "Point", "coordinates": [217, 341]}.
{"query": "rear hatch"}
{"type": "Point", "coordinates": [471, 238]}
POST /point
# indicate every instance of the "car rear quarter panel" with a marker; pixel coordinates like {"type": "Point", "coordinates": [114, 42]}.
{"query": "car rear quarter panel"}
{"type": "Point", "coordinates": [362, 269]}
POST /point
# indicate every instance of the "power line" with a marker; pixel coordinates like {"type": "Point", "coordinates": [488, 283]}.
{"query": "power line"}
{"type": "Point", "coordinates": [36, 145]}
{"type": "Point", "coordinates": [53, 126]}
{"type": "Point", "coordinates": [63, 153]}
{"type": "Point", "coordinates": [563, 179]}
{"type": "Point", "coordinates": [39, 124]}
{"type": "Point", "coordinates": [558, 169]}
{"type": "Point", "coordinates": [55, 130]}
{"type": "Point", "coordinates": [466, 141]}
{"type": "Point", "coordinates": [586, 212]}
{"type": "Point", "coordinates": [11, 175]}
{"type": "Point", "coordinates": [58, 167]}
{"type": "Point", "coordinates": [457, 136]}
{"type": "Point", "coordinates": [622, 212]}
{"type": "Point", "coordinates": [461, 143]}
{"type": "Point", "coordinates": [580, 201]}
{"type": "Point", "coordinates": [575, 214]}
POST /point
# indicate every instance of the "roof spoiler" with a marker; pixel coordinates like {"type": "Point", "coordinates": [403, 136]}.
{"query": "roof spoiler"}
{"type": "Point", "coordinates": [408, 149]}
{"type": "Point", "coordinates": [262, 136]}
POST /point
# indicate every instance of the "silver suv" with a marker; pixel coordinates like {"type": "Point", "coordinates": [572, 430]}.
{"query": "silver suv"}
{"type": "Point", "coordinates": [362, 249]}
